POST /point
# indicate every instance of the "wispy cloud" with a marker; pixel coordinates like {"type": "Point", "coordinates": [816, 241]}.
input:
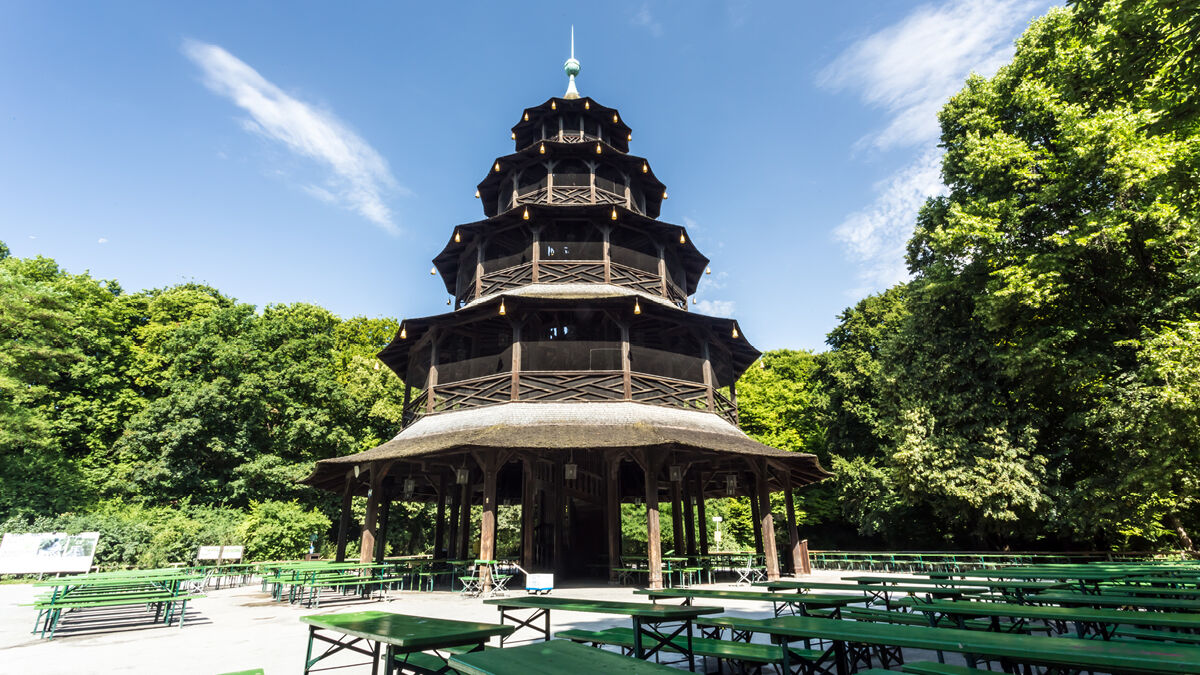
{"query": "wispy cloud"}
{"type": "Point", "coordinates": [721, 308]}
{"type": "Point", "coordinates": [910, 69]}
{"type": "Point", "coordinates": [359, 177]}
{"type": "Point", "coordinates": [101, 240]}
{"type": "Point", "coordinates": [913, 66]}
{"type": "Point", "coordinates": [644, 18]}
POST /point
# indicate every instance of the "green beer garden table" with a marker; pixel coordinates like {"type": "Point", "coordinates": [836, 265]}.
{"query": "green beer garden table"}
{"type": "Point", "coordinates": [881, 592]}
{"type": "Point", "coordinates": [552, 658]}
{"type": "Point", "coordinates": [1088, 621]}
{"type": "Point", "coordinates": [850, 642]}
{"type": "Point", "coordinates": [400, 636]}
{"type": "Point", "coordinates": [650, 637]}
{"type": "Point", "coordinates": [795, 603]}
{"type": "Point", "coordinates": [1109, 600]}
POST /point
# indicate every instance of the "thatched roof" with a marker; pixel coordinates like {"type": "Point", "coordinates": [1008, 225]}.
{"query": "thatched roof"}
{"type": "Point", "coordinates": [562, 427]}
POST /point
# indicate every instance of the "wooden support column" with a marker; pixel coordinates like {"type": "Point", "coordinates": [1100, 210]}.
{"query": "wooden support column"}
{"type": "Point", "coordinates": [651, 464]}
{"type": "Point", "coordinates": [557, 499]}
{"type": "Point", "coordinates": [689, 517]}
{"type": "Point", "coordinates": [607, 256]}
{"type": "Point", "coordinates": [527, 504]}
{"type": "Point", "coordinates": [515, 383]}
{"type": "Point", "coordinates": [479, 264]}
{"type": "Point", "coordinates": [433, 371]}
{"type": "Point", "coordinates": [708, 372]}
{"type": "Point", "coordinates": [701, 515]}
{"type": "Point", "coordinates": [452, 540]}
{"type": "Point", "coordinates": [662, 271]}
{"type": "Point", "coordinates": [385, 512]}
{"type": "Point", "coordinates": [767, 521]}
{"type": "Point", "coordinates": [677, 539]}
{"type": "Point", "coordinates": [490, 464]}
{"type": "Point", "coordinates": [612, 515]}
{"type": "Point", "coordinates": [439, 525]}
{"type": "Point", "coordinates": [344, 520]}
{"type": "Point", "coordinates": [374, 494]}
{"type": "Point", "coordinates": [793, 532]}
{"type": "Point", "coordinates": [537, 242]}
{"type": "Point", "coordinates": [464, 526]}
{"type": "Point", "coordinates": [756, 515]}
{"type": "Point", "coordinates": [626, 364]}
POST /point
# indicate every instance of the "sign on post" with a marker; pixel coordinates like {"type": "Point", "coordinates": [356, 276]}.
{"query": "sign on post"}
{"type": "Point", "coordinates": [220, 553]}
{"type": "Point", "coordinates": [47, 552]}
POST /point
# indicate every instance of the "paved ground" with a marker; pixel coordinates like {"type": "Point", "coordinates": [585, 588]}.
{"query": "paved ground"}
{"type": "Point", "coordinates": [240, 628]}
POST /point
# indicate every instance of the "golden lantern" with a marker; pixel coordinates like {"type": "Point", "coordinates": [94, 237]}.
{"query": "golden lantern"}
{"type": "Point", "coordinates": [403, 332]}
{"type": "Point", "coordinates": [614, 213]}
{"type": "Point", "coordinates": [433, 271]}
{"type": "Point", "coordinates": [587, 105]}
{"type": "Point", "coordinates": [447, 302]}
{"type": "Point", "coordinates": [526, 116]}
{"type": "Point", "coordinates": [695, 301]}
{"type": "Point", "coordinates": [514, 135]}
{"type": "Point", "coordinates": [645, 167]}
{"type": "Point", "coordinates": [457, 237]}
{"type": "Point", "coordinates": [597, 148]}
{"type": "Point", "coordinates": [637, 308]}
{"type": "Point", "coordinates": [541, 148]}
{"type": "Point", "coordinates": [496, 167]}
{"type": "Point", "coordinates": [735, 333]}
{"type": "Point", "coordinates": [553, 105]}
{"type": "Point", "coordinates": [525, 216]}
{"type": "Point", "coordinates": [708, 270]}
{"type": "Point", "coordinates": [629, 137]}
{"type": "Point", "coordinates": [477, 194]}
{"type": "Point", "coordinates": [614, 118]}
{"type": "Point", "coordinates": [664, 191]}
{"type": "Point", "coordinates": [502, 312]}
{"type": "Point", "coordinates": [682, 238]}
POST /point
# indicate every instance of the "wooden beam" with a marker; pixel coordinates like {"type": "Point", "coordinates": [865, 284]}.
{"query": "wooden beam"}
{"type": "Point", "coordinates": [652, 464]}
{"type": "Point", "coordinates": [701, 515]}
{"type": "Point", "coordinates": [689, 516]}
{"type": "Point", "coordinates": [528, 496]}
{"type": "Point", "coordinates": [487, 523]}
{"type": "Point", "coordinates": [432, 376]}
{"type": "Point", "coordinates": [464, 525]}
{"type": "Point", "coordinates": [439, 525]}
{"type": "Point", "coordinates": [452, 540]}
{"type": "Point", "coordinates": [677, 539]}
{"type": "Point", "coordinates": [793, 532]}
{"type": "Point", "coordinates": [374, 495]}
{"type": "Point", "coordinates": [516, 363]}
{"type": "Point", "coordinates": [756, 515]}
{"type": "Point", "coordinates": [612, 515]}
{"type": "Point", "coordinates": [767, 521]}
{"type": "Point", "coordinates": [344, 520]}
{"type": "Point", "coordinates": [385, 513]}
{"type": "Point", "coordinates": [626, 367]}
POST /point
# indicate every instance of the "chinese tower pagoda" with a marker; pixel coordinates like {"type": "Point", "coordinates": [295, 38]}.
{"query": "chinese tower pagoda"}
{"type": "Point", "coordinates": [570, 377]}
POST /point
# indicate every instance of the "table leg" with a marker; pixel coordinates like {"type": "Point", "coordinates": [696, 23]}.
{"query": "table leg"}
{"type": "Point", "coordinates": [308, 656]}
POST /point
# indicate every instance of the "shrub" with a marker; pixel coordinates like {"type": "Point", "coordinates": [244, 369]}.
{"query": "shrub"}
{"type": "Point", "coordinates": [280, 530]}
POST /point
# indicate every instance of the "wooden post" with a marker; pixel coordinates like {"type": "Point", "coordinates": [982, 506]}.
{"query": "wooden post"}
{"type": "Point", "coordinates": [701, 515]}
{"type": "Point", "coordinates": [527, 525]}
{"type": "Point", "coordinates": [433, 371]}
{"type": "Point", "coordinates": [626, 363]}
{"type": "Point", "coordinates": [607, 256]}
{"type": "Point", "coordinates": [662, 271]}
{"type": "Point", "coordinates": [767, 521]}
{"type": "Point", "coordinates": [487, 522]}
{"type": "Point", "coordinates": [677, 539]}
{"type": "Point", "coordinates": [374, 494]}
{"type": "Point", "coordinates": [559, 505]}
{"type": "Point", "coordinates": [452, 540]}
{"type": "Point", "coordinates": [439, 525]}
{"type": "Point", "coordinates": [385, 513]}
{"type": "Point", "coordinates": [479, 264]}
{"type": "Point", "coordinates": [689, 517]}
{"type": "Point", "coordinates": [653, 530]}
{"type": "Point", "coordinates": [612, 513]}
{"type": "Point", "coordinates": [537, 239]}
{"type": "Point", "coordinates": [805, 562]}
{"type": "Point", "coordinates": [793, 532]}
{"type": "Point", "coordinates": [464, 526]}
{"type": "Point", "coordinates": [344, 521]}
{"type": "Point", "coordinates": [756, 515]}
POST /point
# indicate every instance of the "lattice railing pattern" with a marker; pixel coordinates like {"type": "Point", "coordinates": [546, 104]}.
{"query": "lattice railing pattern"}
{"type": "Point", "coordinates": [635, 278]}
{"type": "Point", "coordinates": [510, 277]}
{"type": "Point", "coordinates": [572, 386]}
{"type": "Point", "coordinates": [559, 272]}
{"type": "Point", "coordinates": [571, 194]}
{"type": "Point", "coordinates": [479, 391]}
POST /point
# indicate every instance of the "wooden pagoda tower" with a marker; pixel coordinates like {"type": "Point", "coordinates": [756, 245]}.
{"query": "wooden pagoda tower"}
{"type": "Point", "coordinates": [570, 377]}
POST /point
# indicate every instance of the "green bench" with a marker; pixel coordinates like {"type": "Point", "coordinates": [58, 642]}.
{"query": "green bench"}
{"type": "Point", "coordinates": [1160, 635]}
{"type": "Point", "coordinates": [722, 650]}
{"type": "Point", "coordinates": [931, 668]}
{"type": "Point", "coordinates": [50, 611]}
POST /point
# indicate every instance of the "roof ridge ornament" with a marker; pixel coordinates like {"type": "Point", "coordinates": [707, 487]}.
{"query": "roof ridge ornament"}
{"type": "Point", "coordinates": [571, 67]}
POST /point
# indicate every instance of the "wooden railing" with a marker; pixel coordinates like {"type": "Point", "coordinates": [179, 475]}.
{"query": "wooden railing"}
{"type": "Point", "coordinates": [580, 272]}
{"type": "Point", "coordinates": [568, 387]}
{"type": "Point", "coordinates": [573, 194]}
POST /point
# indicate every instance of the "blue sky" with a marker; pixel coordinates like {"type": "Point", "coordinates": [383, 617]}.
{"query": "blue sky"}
{"type": "Point", "coordinates": [322, 152]}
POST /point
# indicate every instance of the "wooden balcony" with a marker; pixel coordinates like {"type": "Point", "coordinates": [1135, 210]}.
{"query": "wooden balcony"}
{"type": "Point", "coordinates": [580, 272]}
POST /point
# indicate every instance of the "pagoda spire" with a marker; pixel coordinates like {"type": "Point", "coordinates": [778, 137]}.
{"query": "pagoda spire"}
{"type": "Point", "coordinates": [572, 69]}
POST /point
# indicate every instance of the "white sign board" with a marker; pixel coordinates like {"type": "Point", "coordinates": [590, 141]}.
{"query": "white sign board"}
{"type": "Point", "coordinates": [47, 552]}
{"type": "Point", "coordinates": [219, 553]}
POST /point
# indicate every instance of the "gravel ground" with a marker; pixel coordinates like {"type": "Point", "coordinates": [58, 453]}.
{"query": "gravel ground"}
{"type": "Point", "coordinates": [240, 628]}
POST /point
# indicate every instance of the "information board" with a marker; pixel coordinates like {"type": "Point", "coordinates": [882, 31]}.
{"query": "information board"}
{"type": "Point", "coordinates": [219, 553]}
{"type": "Point", "coordinates": [47, 552]}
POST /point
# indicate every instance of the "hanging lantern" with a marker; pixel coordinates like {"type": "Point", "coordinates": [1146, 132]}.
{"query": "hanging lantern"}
{"type": "Point", "coordinates": [447, 302]}
{"type": "Point", "coordinates": [514, 135]}
{"type": "Point", "coordinates": [664, 191]}
{"type": "Point", "coordinates": [708, 270]}
{"type": "Point", "coordinates": [526, 116]}
{"type": "Point", "coordinates": [409, 486]}
{"type": "Point", "coordinates": [730, 485]}
{"type": "Point", "coordinates": [542, 148]}
{"type": "Point", "coordinates": [553, 105]}
{"type": "Point", "coordinates": [676, 473]}
{"type": "Point", "coordinates": [357, 470]}
{"type": "Point", "coordinates": [457, 236]}
{"type": "Point", "coordinates": [629, 137]}
{"type": "Point", "coordinates": [614, 213]}
{"type": "Point", "coordinates": [735, 333]}
{"type": "Point", "coordinates": [570, 471]}
{"type": "Point", "coordinates": [477, 194]}
{"type": "Point", "coordinates": [496, 167]}
{"type": "Point", "coordinates": [645, 167]}
{"type": "Point", "coordinates": [695, 300]}
{"type": "Point", "coordinates": [682, 238]}
{"type": "Point", "coordinates": [597, 148]}
{"type": "Point", "coordinates": [403, 332]}
{"type": "Point", "coordinates": [525, 216]}
{"type": "Point", "coordinates": [433, 271]}
{"type": "Point", "coordinates": [502, 312]}
{"type": "Point", "coordinates": [587, 105]}
{"type": "Point", "coordinates": [614, 118]}
{"type": "Point", "coordinates": [637, 309]}
{"type": "Point", "coordinates": [462, 476]}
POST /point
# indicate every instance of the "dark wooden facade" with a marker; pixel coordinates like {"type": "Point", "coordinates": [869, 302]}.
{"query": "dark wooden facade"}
{"type": "Point", "coordinates": [570, 377]}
